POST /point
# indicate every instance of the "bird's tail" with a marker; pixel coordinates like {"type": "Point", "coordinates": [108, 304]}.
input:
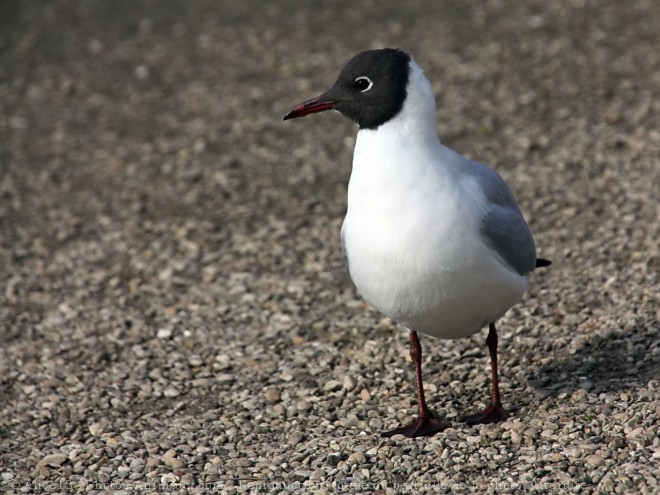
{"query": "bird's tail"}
{"type": "Point", "coordinates": [541, 262]}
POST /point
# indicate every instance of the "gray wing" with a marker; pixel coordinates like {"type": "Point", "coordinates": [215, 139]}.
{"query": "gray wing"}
{"type": "Point", "coordinates": [506, 232]}
{"type": "Point", "coordinates": [503, 227]}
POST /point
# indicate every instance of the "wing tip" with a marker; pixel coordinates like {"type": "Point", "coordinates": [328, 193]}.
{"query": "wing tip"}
{"type": "Point", "coordinates": [542, 262]}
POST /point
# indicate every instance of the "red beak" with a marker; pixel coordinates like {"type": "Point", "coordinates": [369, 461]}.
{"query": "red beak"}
{"type": "Point", "coordinates": [315, 105]}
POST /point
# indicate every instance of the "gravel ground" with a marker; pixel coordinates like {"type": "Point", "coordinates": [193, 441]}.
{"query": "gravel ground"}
{"type": "Point", "coordinates": [174, 313]}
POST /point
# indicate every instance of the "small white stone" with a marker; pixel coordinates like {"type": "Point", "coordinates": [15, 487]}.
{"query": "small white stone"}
{"type": "Point", "coordinates": [171, 392]}
{"type": "Point", "coordinates": [96, 429]}
{"type": "Point", "coordinates": [169, 479]}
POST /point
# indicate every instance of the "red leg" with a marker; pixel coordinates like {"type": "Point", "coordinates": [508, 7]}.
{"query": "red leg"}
{"type": "Point", "coordinates": [494, 413]}
{"type": "Point", "coordinates": [425, 424]}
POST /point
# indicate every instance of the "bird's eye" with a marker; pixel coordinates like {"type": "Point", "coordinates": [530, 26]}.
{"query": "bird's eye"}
{"type": "Point", "coordinates": [363, 84]}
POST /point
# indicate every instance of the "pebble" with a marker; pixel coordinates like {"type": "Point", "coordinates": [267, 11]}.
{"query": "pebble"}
{"type": "Point", "coordinates": [271, 395]}
{"type": "Point", "coordinates": [171, 392]}
{"type": "Point", "coordinates": [97, 428]}
{"type": "Point", "coordinates": [375, 423]}
{"type": "Point", "coordinates": [53, 460]}
{"type": "Point", "coordinates": [164, 333]}
{"type": "Point", "coordinates": [169, 458]}
{"type": "Point", "coordinates": [224, 378]}
{"type": "Point", "coordinates": [332, 386]}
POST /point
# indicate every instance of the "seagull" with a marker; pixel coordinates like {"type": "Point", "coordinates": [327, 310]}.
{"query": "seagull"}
{"type": "Point", "coordinates": [431, 239]}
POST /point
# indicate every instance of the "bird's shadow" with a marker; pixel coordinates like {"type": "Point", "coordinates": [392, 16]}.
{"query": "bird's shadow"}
{"type": "Point", "coordinates": [612, 361]}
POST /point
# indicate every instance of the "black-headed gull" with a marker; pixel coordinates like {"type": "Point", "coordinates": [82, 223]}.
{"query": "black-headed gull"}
{"type": "Point", "coordinates": [431, 239]}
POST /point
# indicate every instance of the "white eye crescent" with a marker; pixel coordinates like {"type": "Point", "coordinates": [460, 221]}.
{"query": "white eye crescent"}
{"type": "Point", "coordinates": [363, 84]}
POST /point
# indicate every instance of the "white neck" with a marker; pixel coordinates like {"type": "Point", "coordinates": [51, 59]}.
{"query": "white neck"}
{"type": "Point", "coordinates": [397, 162]}
{"type": "Point", "coordinates": [401, 148]}
{"type": "Point", "coordinates": [417, 117]}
